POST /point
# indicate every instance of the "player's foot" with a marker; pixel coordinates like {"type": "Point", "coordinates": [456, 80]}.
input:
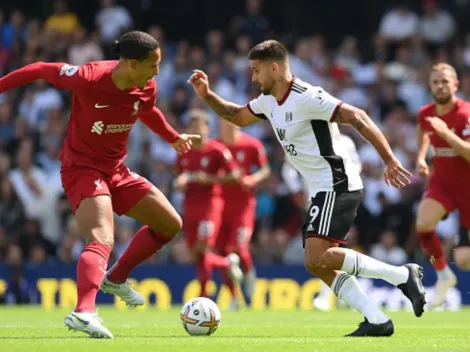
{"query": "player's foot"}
{"type": "Point", "coordinates": [123, 291]}
{"type": "Point", "coordinates": [249, 283]}
{"type": "Point", "coordinates": [413, 288]}
{"type": "Point", "coordinates": [373, 330]}
{"type": "Point", "coordinates": [234, 271]}
{"type": "Point", "coordinates": [89, 323]}
{"type": "Point", "coordinates": [234, 305]}
{"type": "Point", "coordinates": [442, 286]}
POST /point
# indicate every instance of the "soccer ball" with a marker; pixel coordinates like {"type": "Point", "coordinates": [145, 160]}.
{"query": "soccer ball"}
{"type": "Point", "coordinates": [200, 316]}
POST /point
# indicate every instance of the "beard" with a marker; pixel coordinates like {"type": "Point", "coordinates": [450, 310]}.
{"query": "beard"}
{"type": "Point", "coordinates": [443, 99]}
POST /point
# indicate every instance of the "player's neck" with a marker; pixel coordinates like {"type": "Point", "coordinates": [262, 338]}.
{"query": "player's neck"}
{"type": "Point", "coordinates": [442, 109]}
{"type": "Point", "coordinates": [120, 79]}
{"type": "Point", "coordinates": [199, 144]}
{"type": "Point", "coordinates": [282, 86]}
{"type": "Point", "coordinates": [230, 137]}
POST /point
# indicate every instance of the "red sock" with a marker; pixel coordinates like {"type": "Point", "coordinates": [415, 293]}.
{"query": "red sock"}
{"type": "Point", "coordinates": [91, 268]}
{"type": "Point", "coordinates": [143, 245]}
{"type": "Point", "coordinates": [229, 283]}
{"type": "Point", "coordinates": [217, 261]}
{"type": "Point", "coordinates": [431, 244]}
{"type": "Point", "coordinates": [246, 262]}
{"type": "Point", "coordinates": [204, 273]}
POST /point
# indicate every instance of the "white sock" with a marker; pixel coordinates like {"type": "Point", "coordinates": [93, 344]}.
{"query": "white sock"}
{"type": "Point", "coordinates": [325, 290]}
{"type": "Point", "coordinates": [347, 288]}
{"type": "Point", "coordinates": [444, 274]}
{"type": "Point", "coordinates": [358, 264]}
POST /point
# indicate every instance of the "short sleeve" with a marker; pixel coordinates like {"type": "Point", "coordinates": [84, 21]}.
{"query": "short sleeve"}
{"type": "Point", "coordinates": [257, 108]}
{"type": "Point", "coordinates": [318, 104]}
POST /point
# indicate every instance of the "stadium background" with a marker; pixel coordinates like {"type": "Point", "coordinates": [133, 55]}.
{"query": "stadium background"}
{"type": "Point", "coordinates": [376, 59]}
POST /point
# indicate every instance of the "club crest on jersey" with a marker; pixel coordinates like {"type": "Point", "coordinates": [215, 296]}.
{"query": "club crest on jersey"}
{"type": "Point", "coordinates": [204, 162]}
{"type": "Point", "coordinates": [288, 117]}
{"type": "Point", "coordinates": [136, 108]}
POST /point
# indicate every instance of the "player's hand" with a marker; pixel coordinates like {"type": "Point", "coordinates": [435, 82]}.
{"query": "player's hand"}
{"type": "Point", "coordinates": [202, 178]}
{"type": "Point", "coordinates": [184, 142]}
{"type": "Point", "coordinates": [200, 83]}
{"type": "Point", "coordinates": [422, 168]}
{"type": "Point", "coordinates": [247, 182]}
{"type": "Point", "coordinates": [181, 182]}
{"type": "Point", "coordinates": [396, 175]}
{"type": "Point", "coordinates": [438, 125]}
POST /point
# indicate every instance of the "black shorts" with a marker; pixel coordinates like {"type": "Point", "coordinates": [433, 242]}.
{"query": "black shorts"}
{"type": "Point", "coordinates": [331, 215]}
{"type": "Point", "coordinates": [464, 237]}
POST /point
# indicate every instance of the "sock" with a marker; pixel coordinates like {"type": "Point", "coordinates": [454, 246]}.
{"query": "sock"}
{"type": "Point", "coordinates": [246, 262]}
{"type": "Point", "coordinates": [143, 245]}
{"type": "Point", "coordinates": [432, 246]}
{"type": "Point", "coordinates": [358, 264]}
{"type": "Point", "coordinates": [325, 290]}
{"type": "Point", "coordinates": [347, 288]}
{"type": "Point", "coordinates": [217, 261]}
{"type": "Point", "coordinates": [444, 274]}
{"type": "Point", "coordinates": [204, 273]}
{"type": "Point", "coordinates": [229, 283]}
{"type": "Point", "coordinates": [91, 269]}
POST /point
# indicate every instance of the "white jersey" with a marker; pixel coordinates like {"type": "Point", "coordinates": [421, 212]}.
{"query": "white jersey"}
{"type": "Point", "coordinates": [303, 125]}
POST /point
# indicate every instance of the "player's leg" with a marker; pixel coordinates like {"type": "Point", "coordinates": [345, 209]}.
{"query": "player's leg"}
{"type": "Point", "coordinates": [462, 251]}
{"type": "Point", "coordinates": [221, 247]}
{"type": "Point", "coordinates": [433, 209]}
{"type": "Point", "coordinates": [88, 194]}
{"type": "Point", "coordinates": [346, 287]}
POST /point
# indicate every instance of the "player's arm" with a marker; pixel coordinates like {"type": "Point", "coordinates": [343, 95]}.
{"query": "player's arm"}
{"type": "Point", "coordinates": [458, 144]}
{"type": "Point", "coordinates": [394, 173]}
{"type": "Point", "coordinates": [264, 170]}
{"type": "Point", "coordinates": [423, 142]}
{"type": "Point", "coordinates": [236, 114]}
{"type": "Point", "coordinates": [61, 75]}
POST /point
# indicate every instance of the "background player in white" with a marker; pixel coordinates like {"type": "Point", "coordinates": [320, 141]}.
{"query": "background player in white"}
{"type": "Point", "coordinates": [302, 117]}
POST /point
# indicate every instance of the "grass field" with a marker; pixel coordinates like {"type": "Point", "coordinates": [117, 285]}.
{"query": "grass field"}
{"type": "Point", "coordinates": [31, 329]}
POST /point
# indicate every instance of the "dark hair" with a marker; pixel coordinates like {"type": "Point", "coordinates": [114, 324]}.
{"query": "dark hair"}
{"type": "Point", "coordinates": [268, 50]}
{"type": "Point", "coordinates": [135, 45]}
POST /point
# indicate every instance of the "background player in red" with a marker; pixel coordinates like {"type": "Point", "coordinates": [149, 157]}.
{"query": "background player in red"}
{"type": "Point", "coordinates": [202, 171]}
{"type": "Point", "coordinates": [445, 124]}
{"type": "Point", "coordinates": [238, 219]}
{"type": "Point", "coordinates": [108, 98]}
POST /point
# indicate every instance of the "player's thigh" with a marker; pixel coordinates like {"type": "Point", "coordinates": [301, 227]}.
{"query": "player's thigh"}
{"type": "Point", "coordinates": [432, 209]}
{"type": "Point", "coordinates": [89, 196]}
{"type": "Point", "coordinates": [154, 210]}
{"type": "Point", "coordinates": [201, 231]}
{"type": "Point", "coordinates": [240, 233]}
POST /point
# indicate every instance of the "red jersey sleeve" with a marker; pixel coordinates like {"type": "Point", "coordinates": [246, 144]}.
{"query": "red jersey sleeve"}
{"type": "Point", "coordinates": [422, 114]}
{"type": "Point", "coordinates": [260, 154]}
{"type": "Point", "coordinates": [61, 75]}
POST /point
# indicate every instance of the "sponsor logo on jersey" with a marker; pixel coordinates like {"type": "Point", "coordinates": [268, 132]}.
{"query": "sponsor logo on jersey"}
{"type": "Point", "coordinates": [99, 128]}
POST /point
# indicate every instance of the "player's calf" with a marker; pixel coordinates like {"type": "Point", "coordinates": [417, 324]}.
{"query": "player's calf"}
{"type": "Point", "coordinates": [462, 257]}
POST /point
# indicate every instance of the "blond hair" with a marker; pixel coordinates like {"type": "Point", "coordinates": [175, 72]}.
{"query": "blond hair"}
{"type": "Point", "coordinates": [441, 66]}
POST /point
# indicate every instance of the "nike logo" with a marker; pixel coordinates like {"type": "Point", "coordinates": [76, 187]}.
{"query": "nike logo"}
{"type": "Point", "coordinates": [81, 321]}
{"type": "Point", "coordinates": [98, 106]}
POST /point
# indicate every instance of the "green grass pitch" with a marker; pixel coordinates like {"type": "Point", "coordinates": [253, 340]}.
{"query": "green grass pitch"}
{"type": "Point", "coordinates": [34, 330]}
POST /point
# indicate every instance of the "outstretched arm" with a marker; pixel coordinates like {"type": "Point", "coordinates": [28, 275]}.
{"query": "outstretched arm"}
{"type": "Point", "coordinates": [394, 173]}
{"type": "Point", "coordinates": [458, 144]}
{"type": "Point", "coordinates": [59, 74]}
{"type": "Point", "coordinates": [236, 114]}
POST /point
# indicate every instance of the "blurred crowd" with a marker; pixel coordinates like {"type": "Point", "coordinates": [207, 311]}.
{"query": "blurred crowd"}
{"type": "Point", "coordinates": [388, 79]}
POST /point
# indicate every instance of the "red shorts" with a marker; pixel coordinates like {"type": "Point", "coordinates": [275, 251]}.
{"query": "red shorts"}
{"type": "Point", "coordinates": [202, 225]}
{"type": "Point", "coordinates": [451, 200]}
{"type": "Point", "coordinates": [237, 228]}
{"type": "Point", "coordinates": [125, 187]}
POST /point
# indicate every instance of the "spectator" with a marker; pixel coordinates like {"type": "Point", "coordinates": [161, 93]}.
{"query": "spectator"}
{"type": "Point", "coordinates": [112, 20]}
{"type": "Point", "coordinates": [387, 250]}
{"type": "Point", "coordinates": [62, 20]}
{"type": "Point", "coordinates": [436, 26]}
{"type": "Point", "coordinates": [399, 24]}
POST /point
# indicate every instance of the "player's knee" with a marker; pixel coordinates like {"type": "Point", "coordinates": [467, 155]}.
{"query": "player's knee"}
{"type": "Point", "coordinates": [462, 258]}
{"type": "Point", "coordinates": [312, 265]}
{"type": "Point", "coordinates": [173, 226]}
{"type": "Point", "coordinates": [425, 224]}
{"type": "Point", "coordinates": [102, 236]}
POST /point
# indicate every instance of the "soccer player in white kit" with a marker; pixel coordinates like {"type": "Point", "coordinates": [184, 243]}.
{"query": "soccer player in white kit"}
{"type": "Point", "coordinates": [305, 119]}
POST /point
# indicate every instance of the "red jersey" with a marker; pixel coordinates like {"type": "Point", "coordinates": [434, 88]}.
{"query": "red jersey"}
{"type": "Point", "coordinates": [249, 153]}
{"type": "Point", "coordinates": [101, 115]}
{"type": "Point", "coordinates": [214, 159]}
{"type": "Point", "coordinates": [449, 169]}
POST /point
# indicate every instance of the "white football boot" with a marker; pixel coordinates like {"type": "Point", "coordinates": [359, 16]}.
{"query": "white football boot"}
{"type": "Point", "coordinates": [442, 286]}
{"type": "Point", "coordinates": [123, 291]}
{"type": "Point", "coordinates": [234, 271]}
{"type": "Point", "coordinates": [89, 323]}
{"type": "Point", "coordinates": [249, 283]}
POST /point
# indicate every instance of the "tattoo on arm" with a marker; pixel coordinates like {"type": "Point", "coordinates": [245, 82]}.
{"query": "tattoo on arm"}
{"type": "Point", "coordinates": [223, 108]}
{"type": "Point", "coordinates": [355, 120]}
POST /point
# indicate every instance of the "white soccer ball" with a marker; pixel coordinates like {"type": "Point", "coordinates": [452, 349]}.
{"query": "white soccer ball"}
{"type": "Point", "coordinates": [200, 316]}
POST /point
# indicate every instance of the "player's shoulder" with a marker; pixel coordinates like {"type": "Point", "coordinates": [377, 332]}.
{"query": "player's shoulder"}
{"type": "Point", "coordinates": [215, 145]}
{"type": "Point", "coordinates": [463, 106]}
{"type": "Point", "coordinates": [427, 109]}
{"type": "Point", "coordinates": [304, 91]}
{"type": "Point", "coordinates": [96, 70]}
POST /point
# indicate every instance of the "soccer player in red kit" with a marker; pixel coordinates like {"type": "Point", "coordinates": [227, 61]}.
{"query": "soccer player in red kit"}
{"type": "Point", "coordinates": [201, 173]}
{"type": "Point", "coordinates": [445, 124]}
{"type": "Point", "coordinates": [238, 219]}
{"type": "Point", "coordinates": [108, 98]}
